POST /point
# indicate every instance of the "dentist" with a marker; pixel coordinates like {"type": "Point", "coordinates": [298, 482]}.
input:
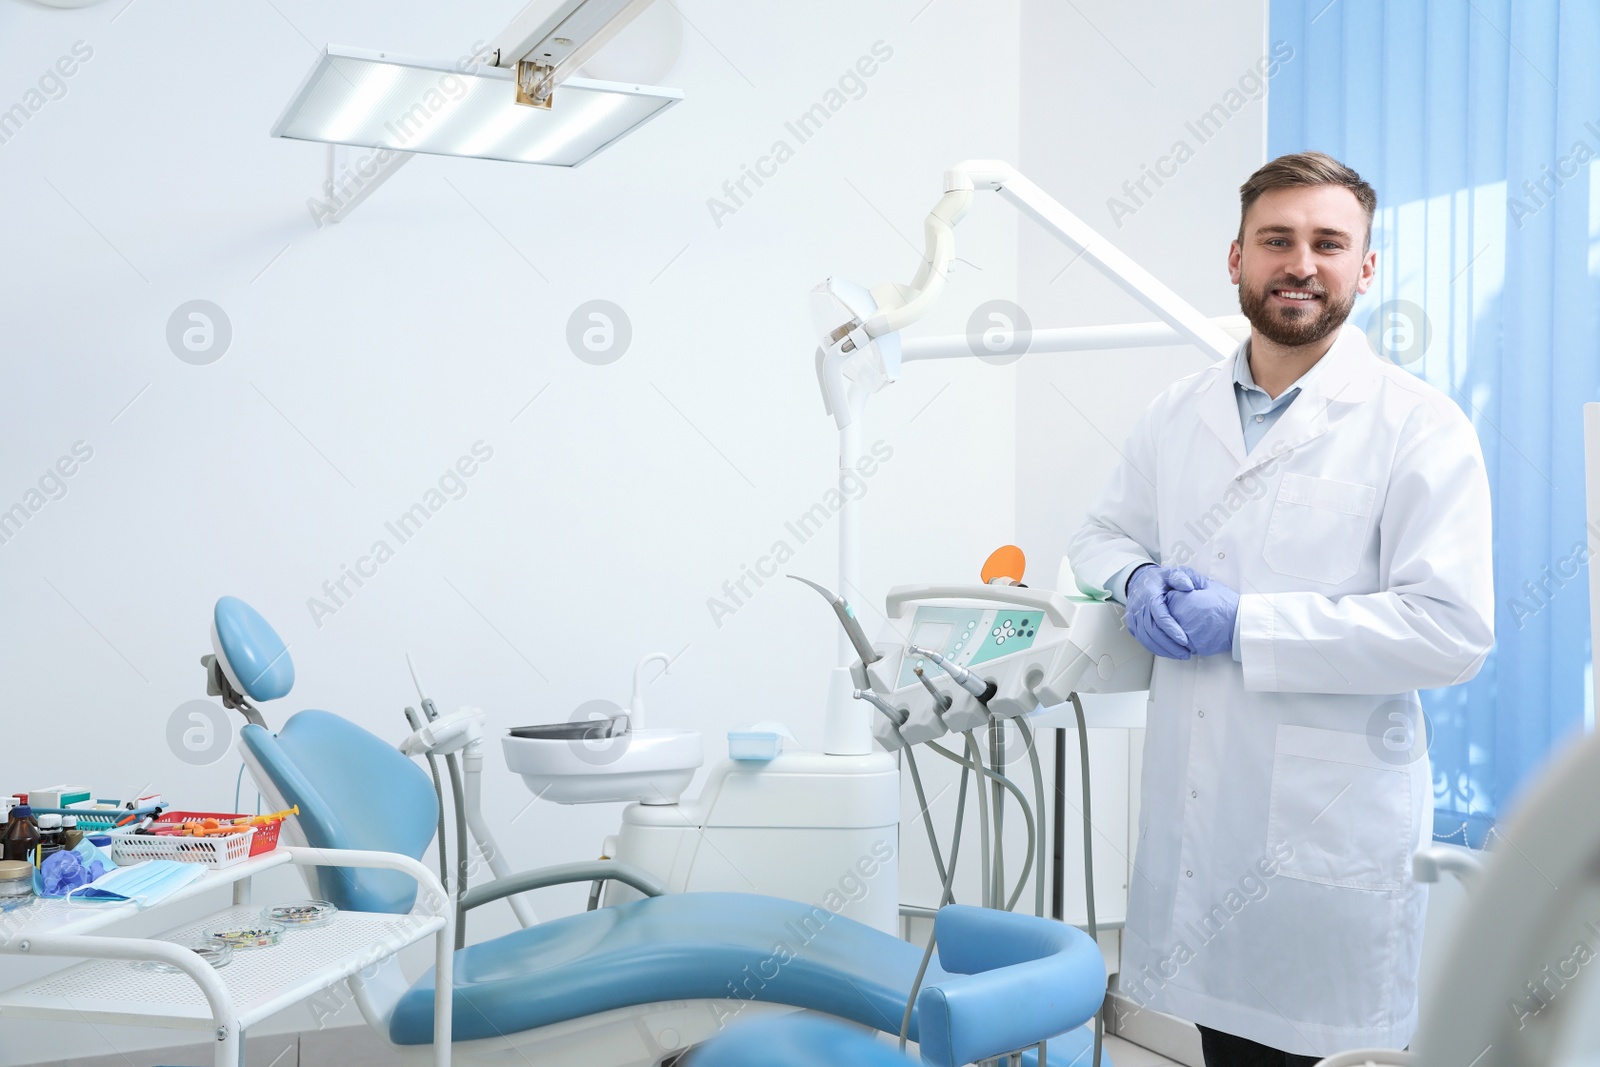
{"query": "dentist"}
{"type": "Point", "coordinates": [1300, 533]}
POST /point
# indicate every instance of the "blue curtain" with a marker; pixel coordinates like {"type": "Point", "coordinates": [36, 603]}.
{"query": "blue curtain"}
{"type": "Point", "coordinates": [1478, 121]}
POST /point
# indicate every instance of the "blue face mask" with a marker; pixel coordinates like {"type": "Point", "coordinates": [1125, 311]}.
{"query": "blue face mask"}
{"type": "Point", "coordinates": [145, 884]}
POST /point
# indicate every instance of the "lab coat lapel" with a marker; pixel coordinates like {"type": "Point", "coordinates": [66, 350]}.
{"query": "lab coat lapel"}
{"type": "Point", "coordinates": [1218, 409]}
{"type": "Point", "coordinates": [1345, 374]}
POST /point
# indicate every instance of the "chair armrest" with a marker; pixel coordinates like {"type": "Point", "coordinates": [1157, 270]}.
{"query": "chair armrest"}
{"type": "Point", "coordinates": [1428, 864]}
{"type": "Point", "coordinates": [1017, 980]}
{"type": "Point", "coordinates": [564, 874]}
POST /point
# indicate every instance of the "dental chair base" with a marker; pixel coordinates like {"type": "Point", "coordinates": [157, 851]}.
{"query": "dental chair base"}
{"type": "Point", "coordinates": [807, 826]}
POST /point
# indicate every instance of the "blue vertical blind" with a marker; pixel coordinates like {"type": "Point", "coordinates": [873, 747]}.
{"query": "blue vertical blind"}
{"type": "Point", "coordinates": [1478, 122]}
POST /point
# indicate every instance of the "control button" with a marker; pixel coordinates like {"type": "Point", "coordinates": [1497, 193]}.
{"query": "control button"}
{"type": "Point", "coordinates": [1028, 634]}
{"type": "Point", "coordinates": [1000, 640]}
{"type": "Point", "coordinates": [958, 646]}
{"type": "Point", "coordinates": [996, 632]}
{"type": "Point", "coordinates": [1006, 624]}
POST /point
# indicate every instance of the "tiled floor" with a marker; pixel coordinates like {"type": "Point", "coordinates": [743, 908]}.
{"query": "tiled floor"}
{"type": "Point", "coordinates": [1124, 1054]}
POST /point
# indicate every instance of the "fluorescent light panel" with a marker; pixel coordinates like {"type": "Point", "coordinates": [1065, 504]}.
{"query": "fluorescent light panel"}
{"type": "Point", "coordinates": [381, 100]}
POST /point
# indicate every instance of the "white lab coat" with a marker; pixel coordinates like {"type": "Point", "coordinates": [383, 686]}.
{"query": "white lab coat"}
{"type": "Point", "coordinates": [1272, 895]}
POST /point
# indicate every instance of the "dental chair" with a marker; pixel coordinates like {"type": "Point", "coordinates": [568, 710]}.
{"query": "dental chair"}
{"type": "Point", "coordinates": [636, 984]}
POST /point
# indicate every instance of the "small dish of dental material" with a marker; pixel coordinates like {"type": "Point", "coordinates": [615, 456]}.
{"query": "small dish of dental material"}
{"type": "Point", "coordinates": [213, 952]}
{"type": "Point", "coordinates": [259, 936]}
{"type": "Point", "coordinates": [300, 914]}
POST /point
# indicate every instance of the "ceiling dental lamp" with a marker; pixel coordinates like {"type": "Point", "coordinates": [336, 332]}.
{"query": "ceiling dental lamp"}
{"type": "Point", "coordinates": [516, 99]}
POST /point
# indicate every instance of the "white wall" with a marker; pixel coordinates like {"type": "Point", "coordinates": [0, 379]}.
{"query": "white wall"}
{"type": "Point", "coordinates": [1093, 118]}
{"type": "Point", "coordinates": [366, 357]}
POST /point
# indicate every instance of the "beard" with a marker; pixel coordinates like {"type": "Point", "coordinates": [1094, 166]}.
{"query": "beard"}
{"type": "Point", "coordinates": [1294, 326]}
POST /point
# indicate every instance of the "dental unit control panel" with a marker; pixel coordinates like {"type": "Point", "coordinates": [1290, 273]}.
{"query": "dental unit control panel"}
{"type": "Point", "coordinates": [1034, 647]}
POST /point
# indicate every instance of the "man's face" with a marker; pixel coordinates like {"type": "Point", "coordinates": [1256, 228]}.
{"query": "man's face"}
{"type": "Point", "coordinates": [1301, 262]}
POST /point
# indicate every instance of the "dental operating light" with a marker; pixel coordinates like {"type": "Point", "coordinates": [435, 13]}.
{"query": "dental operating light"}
{"type": "Point", "coordinates": [516, 99]}
{"type": "Point", "coordinates": [386, 101]}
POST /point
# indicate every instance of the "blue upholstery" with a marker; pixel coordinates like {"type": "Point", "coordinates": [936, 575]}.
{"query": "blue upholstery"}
{"type": "Point", "coordinates": [739, 945]}
{"type": "Point", "coordinates": [1004, 981]}
{"type": "Point", "coordinates": [253, 650]}
{"type": "Point", "coordinates": [1021, 979]}
{"type": "Point", "coordinates": [680, 946]}
{"type": "Point", "coordinates": [810, 1041]}
{"type": "Point", "coordinates": [796, 1041]}
{"type": "Point", "coordinates": [354, 791]}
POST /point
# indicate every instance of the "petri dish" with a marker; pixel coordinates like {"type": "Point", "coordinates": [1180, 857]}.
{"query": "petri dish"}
{"type": "Point", "coordinates": [300, 914]}
{"type": "Point", "coordinates": [213, 952]}
{"type": "Point", "coordinates": [261, 935]}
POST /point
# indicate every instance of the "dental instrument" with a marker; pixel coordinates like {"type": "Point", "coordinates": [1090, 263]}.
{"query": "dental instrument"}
{"type": "Point", "coordinates": [984, 691]}
{"type": "Point", "coordinates": [455, 737]}
{"type": "Point", "coordinates": [895, 715]}
{"type": "Point", "coordinates": [847, 619]}
{"type": "Point", "coordinates": [941, 700]}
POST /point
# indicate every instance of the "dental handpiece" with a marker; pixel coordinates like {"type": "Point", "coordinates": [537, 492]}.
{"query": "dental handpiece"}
{"type": "Point", "coordinates": [941, 700]}
{"type": "Point", "coordinates": [894, 714]}
{"type": "Point", "coordinates": [847, 619]}
{"type": "Point", "coordinates": [959, 674]}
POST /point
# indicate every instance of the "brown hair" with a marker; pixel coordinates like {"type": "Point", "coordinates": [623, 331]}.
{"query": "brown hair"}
{"type": "Point", "coordinates": [1306, 168]}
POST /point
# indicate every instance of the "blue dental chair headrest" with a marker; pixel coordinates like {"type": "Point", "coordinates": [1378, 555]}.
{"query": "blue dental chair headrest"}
{"type": "Point", "coordinates": [250, 652]}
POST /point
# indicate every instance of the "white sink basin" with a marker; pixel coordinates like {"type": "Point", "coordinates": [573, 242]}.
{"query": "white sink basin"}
{"type": "Point", "coordinates": [648, 766]}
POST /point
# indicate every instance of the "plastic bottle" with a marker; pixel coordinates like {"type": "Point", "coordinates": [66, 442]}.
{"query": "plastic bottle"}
{"type": "Point", "coordinates": [22, 834]}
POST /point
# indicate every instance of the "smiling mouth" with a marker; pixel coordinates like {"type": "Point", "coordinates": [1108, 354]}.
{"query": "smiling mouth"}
{"type": "Point", "coordinates": [1297, 296]}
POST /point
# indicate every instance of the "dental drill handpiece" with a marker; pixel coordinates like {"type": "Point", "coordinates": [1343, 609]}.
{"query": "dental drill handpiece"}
{"type": "Point", "coordinates": [942, 701]}
{"type": "Point", "coordinates": [847, 619]}
{"type": "Point", "coordinates": [959, 674]}
{"type": "Point", "coordinates": [894, 714]}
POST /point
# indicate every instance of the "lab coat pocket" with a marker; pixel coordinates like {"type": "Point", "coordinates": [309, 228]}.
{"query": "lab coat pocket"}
{"type": "Point", "coordinates": [1338, 813]}
{"type": "Point", "coordinates": [1318, 528]}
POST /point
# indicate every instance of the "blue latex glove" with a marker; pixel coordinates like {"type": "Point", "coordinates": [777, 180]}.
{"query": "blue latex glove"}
{"type": "Point", "coordinates": [63, 872]}
{"type": "Point", "coordinates": [1149, 619]}
{"type": "Point", "coordinates": [1207, 614]}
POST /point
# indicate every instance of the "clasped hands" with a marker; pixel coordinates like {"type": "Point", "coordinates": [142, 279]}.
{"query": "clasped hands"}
{"type": "Point", "coordinates": [1177, 612]}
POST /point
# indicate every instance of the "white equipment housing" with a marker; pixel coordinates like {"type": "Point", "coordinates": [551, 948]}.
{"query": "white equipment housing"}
{"type": "Point", "coordinates": [808, 826]}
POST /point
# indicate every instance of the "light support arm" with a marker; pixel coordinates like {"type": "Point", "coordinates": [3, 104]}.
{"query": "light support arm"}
{"type": "Point", "coordinates": [1100, 254]}
{"type": "Point", "coordinates": [962, 180]}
